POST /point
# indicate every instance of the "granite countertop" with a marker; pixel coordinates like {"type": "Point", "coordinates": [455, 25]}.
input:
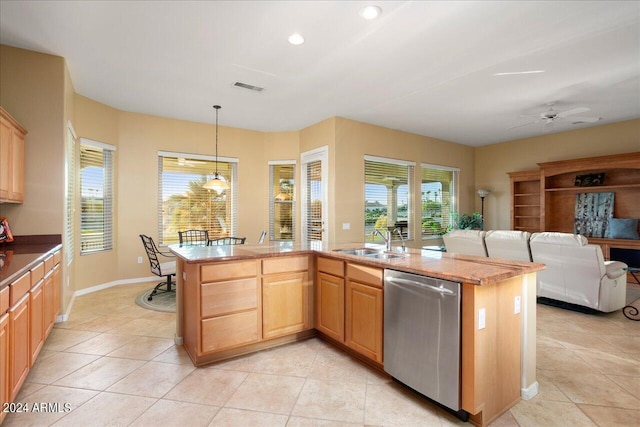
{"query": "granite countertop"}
{"type": "Point", "coordinates": [458, 268]}
{"type": "Point", "coordinates": [17, 258]}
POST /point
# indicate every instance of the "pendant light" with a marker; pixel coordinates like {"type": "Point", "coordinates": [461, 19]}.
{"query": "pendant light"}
{"type": "Point", "coordinates": [218, 183]}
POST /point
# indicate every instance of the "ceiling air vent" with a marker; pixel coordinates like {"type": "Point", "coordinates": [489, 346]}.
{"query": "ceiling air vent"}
{"type": "Point", "coordinates": [248, 86]}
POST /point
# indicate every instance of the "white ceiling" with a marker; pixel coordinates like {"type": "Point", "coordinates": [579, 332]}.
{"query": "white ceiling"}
{"type": "Point", "coordinates": [423, 67]}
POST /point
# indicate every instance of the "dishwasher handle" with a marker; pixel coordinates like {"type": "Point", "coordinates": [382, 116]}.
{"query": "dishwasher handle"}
{"type": "Point", "coordinates": [401, 281]}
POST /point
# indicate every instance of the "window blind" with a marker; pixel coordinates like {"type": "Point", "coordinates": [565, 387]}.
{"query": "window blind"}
{"type": "Point", "coordinates": [96, 195]}
{"type": "Point", "coordinates": [314, 200]}
{"type": "Point", "coordinates": [183, 204]}
{"type": "Point", "coordinates": [438, 199]}
{"type": "Point", "coordinates": [388, 197]}
{"type": "Point", "coordinates": [70, 199]}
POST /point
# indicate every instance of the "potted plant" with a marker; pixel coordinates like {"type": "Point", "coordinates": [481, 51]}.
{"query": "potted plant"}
{"type": "Point", "coordinates": [466, 222]}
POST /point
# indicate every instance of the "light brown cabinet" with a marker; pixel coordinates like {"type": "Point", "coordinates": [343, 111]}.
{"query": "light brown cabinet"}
{"type": "Point", "coordinates": [36, 321]}
{"type": "Point", "coordinates": [28, 308]}
{"type": "Point", "coordinates": [285, 296]}
{"type": "Point", "coordinates": [330, 298]}
{"type": "Point", "coordinates": [364, 311]}
{"type": "Point", "coordinates": [12, 136]}
{"type": "Point", "coordinates": [4, 362]}
{"type": "Point", "coordinates": [231, 306]}
{"type": "Point", "coordinates": [350, 305]}
{"type": "Point", "coordinates": [19, 357]}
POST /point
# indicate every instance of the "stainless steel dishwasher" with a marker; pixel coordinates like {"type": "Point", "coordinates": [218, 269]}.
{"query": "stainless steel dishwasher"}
{"type": "Point", "coordinates": [422, 335]}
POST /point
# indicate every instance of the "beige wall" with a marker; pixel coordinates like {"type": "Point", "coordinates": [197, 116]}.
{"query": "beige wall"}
{"type": "Point", "coordinates": [494, 161]}
{"type": "Point", "coordinates": [33, 91]}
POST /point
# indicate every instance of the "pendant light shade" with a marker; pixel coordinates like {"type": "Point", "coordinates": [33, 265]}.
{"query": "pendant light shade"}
{"type": "Point", "coordinates": [218, 183]}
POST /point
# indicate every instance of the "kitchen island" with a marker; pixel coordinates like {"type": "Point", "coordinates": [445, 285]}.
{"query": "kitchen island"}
{"type": "Point", "coordinates": [233, 300]}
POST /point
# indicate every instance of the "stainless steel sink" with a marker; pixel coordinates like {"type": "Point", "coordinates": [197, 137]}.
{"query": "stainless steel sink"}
{"type": "Point", "coordinates": [358, 251]}
{"type": "Point", "coordinates": [370, 253]}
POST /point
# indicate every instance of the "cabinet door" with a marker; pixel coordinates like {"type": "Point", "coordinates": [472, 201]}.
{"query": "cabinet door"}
{"type": "Point", "coordinates": [330, 314]}
{"type": "Point", "coordinates": [364, 320]}
{"type": "Point", "coordinates": [17, 171]}
{"type": "Point", "coordinates": [18, 345]}
{"type": "Point", "coordinates": [36, 321]}
{"type": "Point", "coordinates": [285, 305]}
{"type": "Point", "coordinates": [4, 362]}
{"type": "Point", "coordinates": [49, 304]}
{"type": "Point", "coordinates": [57, 291]}
{"type": "Point", "coordinates": [5, 158]}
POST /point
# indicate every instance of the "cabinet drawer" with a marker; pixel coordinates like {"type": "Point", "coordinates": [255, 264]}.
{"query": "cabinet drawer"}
{"type": "Point", "coordinates": [228, 297]}
{"type": "Point", "coordinates": [4, 301]}
{"type": "Point", "coordinates": [37, 273]}
{"type": "Point", "coordinates": [48, 263]}
{"type": "Point", "coordinates": [285, 264]}
{"type": "Point", "coordinates": [19, 288]}
{"type": "Point", "coordinates": [229, 331]}
{"type": "Point", "coordinates": [363, 274]}
{"type": "Point", "coordinates": [227, 271]}
{"type": "Point", "coordinates": [331, 266]}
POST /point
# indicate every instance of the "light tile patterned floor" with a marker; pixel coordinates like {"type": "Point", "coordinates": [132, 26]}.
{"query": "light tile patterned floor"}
{"type": "Point", "coordinates": [115, 363]}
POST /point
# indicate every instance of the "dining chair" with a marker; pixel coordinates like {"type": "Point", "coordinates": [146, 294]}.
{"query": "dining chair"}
{"type": "Point", "coordinates": [227, 241]}
{"type": "Point", "coordinates": [193, 237]}
{"type": "Point", "coordinates": [161, 269]}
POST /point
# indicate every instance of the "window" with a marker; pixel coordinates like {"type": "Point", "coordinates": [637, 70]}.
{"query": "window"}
{"type": "Point", "coordinates": [387, 194]}
{"type": "Point", "coordinates": [438, 198]}
{"type": "Point", "coordinates": [282, 200]}
{"type": "Point", "coordinates": [183, 203]}
{"type": "Point", "coordinates": [96, 196]}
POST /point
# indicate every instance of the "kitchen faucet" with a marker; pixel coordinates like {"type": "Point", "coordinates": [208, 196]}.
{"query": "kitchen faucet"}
{"type": "Point", "coordinates": [386, 237]}
{"type": "Point", "coordinates": [397, 230]}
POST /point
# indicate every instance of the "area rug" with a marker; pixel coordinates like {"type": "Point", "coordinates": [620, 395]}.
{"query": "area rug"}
{"type": "Point", "coordinates": [165, 301]}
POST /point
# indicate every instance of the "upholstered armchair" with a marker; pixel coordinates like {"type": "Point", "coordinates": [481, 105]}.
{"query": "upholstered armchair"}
{"type": "Point", "coordinates": [465, 242]}
{"type": "Point", "coordinates": [577, 272]}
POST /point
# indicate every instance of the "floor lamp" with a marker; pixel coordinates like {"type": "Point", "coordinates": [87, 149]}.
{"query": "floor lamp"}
{"type": "Point", "coordinates": [482, 193]}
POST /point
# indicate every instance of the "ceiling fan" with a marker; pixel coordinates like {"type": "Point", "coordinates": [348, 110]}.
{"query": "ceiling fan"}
{"type": "Point", "coordinates": [551, 115]}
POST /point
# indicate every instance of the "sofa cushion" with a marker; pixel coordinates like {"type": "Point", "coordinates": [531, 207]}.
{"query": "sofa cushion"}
{"type": "Point", "coordinates": [508, 244]}
{"type": "Point", "coordinates": [623, 228]}
{"type": "Point", "coordinates": [559, 239]}
{"type": "Point", "coordinates": [465, 242]}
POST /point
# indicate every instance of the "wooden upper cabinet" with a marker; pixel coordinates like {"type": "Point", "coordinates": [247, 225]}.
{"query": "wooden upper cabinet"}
{"type": "Point", "coordinates": [12, 136]}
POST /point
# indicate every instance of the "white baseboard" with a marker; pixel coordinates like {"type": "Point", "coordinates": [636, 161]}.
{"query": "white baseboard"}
{"type": "Point", "coordinates": [112, 284]}
{"type": "Point", "coordinates": [530, 392]}
{"type": "Point", "coordinates": [64, 317]}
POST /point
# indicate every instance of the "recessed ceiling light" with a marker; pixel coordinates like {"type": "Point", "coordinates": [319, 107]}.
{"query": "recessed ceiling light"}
{"type": "Point", "coordinates": [512, 73]}
{"type": "Point", "coordinates": [296, 39]}
{"type": "Point", "coordinates": [370, 12]}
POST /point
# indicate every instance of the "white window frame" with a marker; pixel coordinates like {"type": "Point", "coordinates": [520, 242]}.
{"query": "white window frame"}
{"type": "Point", "coordinates": [454, 195]}
{"type": "Point", "coordinates": [107, 195]}
{"type": "Point", "coordinates": [410, 194]}
{"type": "Point", "coordinates": [233, 182]}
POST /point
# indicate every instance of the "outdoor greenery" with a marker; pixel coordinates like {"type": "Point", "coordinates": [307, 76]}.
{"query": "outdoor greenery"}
{"type": "Point", "coordinates": [198, 208]}
{"type": "Point", "coordinates": [467, 222]}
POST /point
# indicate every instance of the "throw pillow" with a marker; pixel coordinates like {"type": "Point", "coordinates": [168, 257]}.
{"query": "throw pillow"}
{"type": "Point", "coordinates": [623, 228]}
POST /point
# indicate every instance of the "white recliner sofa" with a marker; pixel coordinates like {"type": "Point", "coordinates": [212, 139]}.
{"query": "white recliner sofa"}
{"type": "Point", "coordinates": [577, 272]}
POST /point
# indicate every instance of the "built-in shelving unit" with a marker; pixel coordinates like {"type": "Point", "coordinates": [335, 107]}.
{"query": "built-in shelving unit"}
{"type": "Point", "coordinates": [544, 199]}
{"type": "Point", "coordinates": [525, 202]}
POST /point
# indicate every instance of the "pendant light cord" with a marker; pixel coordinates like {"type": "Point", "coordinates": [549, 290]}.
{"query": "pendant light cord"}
{"type": "Point", "coordinates": [216, 107]}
